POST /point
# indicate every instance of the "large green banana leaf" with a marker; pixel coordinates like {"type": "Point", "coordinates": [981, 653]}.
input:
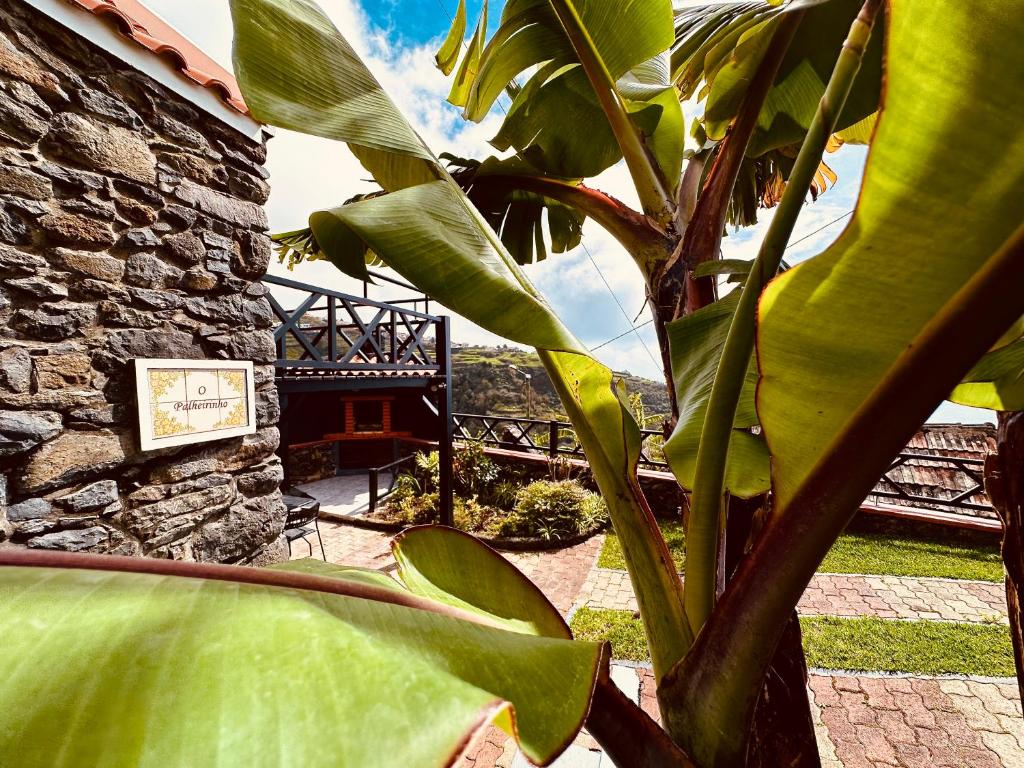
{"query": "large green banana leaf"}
{"type": "Point", "coordinates": [434, 237]}
{"type": "Point", "coordinates": [997, 381]}
{"type": "Point", "coordinates": [696, 342]}
{"type": "Point", "coordinates": [555, 120]}
{"type": "Point", "coordinates": [928, 217]}
{"type": "Point", "coordinates": [110, 669]}
{"type": "Point", "coordinates": [719, 46]}
{"type": "Point", "coordinates": [495, 188]}
{"type": "Point", "coordinates": [856, 345]}
{"type": "Point", "coordinates": [293, 93]}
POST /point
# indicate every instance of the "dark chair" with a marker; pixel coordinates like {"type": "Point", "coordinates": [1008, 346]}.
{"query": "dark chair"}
{"type": "Point", "coordinates": [301, 513]}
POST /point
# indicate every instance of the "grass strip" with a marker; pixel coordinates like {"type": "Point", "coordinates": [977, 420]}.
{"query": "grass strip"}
{"type": "Point", "coordinates": [858, 644]}
{"type": "Point", "coordinates": [870, 552]}
{"type": "Point", "coordinates": [880, 553]}
{"type": "Point", "coordinates": [611, 551]}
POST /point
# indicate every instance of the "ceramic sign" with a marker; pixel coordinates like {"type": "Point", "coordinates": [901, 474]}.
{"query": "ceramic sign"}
{"type": "Point", "coordinates": [192, 401]}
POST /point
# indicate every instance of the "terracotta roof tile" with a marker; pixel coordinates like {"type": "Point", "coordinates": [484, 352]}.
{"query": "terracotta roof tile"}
{"type": "Point", "coordinates": [136, 21]}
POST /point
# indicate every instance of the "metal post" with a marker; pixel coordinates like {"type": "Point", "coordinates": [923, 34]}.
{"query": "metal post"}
{"type": "Point", "coordinates": [374, 480]}
{"type": "Point", "coordinates": [332, 330]}
{"type": "Point", "coordinates": [552, 438]}
{"type": "Point", "coordinates": [282, 430]}
{"type": "Point", "coordinates": [444, 413]}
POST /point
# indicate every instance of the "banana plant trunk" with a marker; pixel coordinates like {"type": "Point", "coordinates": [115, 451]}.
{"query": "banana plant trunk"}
{"type": "Point", "coordinates": [1004, 481]}
{"type": "Point", "coordinates": [782, 732]}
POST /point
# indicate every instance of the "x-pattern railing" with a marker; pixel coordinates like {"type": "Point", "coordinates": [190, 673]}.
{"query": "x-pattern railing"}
{"type": "Point", "coordinates": [555, 438]}
{"type": "Point", "coordinates": [956, 481]}
{"type": "Point", "coordinates": [334, 330]}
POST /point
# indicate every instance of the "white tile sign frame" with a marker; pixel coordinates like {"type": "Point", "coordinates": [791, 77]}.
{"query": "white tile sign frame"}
{"type": "Point", "coordinates": [192, 401]}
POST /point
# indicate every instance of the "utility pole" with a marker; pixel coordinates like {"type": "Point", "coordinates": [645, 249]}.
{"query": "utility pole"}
{"type": "Point", "coordinates": [529, 389]}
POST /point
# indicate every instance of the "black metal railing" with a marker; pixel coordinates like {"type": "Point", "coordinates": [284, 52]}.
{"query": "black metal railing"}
{"type": "Point", "coordinates": [331, 330]}
{"type": "Point", "coordinates": [939, 481]}
{"type": "Point", "coordinates": [547, 436]}
{"type": "Point", "coordinates": [391, 470]}
{"type": "Point", "coordinates": [943, 482]}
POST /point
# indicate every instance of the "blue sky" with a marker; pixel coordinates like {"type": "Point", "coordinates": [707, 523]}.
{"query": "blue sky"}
{"type": "Point", "coordinates": [397, 39]}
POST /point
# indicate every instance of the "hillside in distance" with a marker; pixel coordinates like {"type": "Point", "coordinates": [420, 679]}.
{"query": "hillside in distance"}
{"type": "Point", "coordinates": [483, 383]}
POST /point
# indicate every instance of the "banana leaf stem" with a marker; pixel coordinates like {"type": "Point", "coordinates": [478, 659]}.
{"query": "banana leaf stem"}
{"type": "Point", "coordinates": [655, 197]}
{"type": "Point", "coordinates": [707, 505]}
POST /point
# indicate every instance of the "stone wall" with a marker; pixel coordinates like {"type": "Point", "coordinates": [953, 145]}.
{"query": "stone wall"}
{"type": "Point", "coordinates": [131, 225]}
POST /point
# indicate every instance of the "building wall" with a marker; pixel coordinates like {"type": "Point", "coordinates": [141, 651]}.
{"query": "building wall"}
{"type": "Point", "coordinates": [131, 226]}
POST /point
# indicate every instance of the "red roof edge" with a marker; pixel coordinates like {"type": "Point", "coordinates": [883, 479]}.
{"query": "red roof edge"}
{"type": "Point", "coordinates": [147, 29]}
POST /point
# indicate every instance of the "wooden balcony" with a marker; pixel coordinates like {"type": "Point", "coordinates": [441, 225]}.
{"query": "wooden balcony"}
{"type": "Point", "coordinates": [330, 338]}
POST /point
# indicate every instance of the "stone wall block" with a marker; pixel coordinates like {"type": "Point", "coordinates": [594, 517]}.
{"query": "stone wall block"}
{"type": "Point", "coordinates": [38, 287]}
{"type": "Point", "coordinates": [135, 213]}
{"type": "Point", "coordinates": [97, 539]}
{"type": "Point", "coordinates": [70, 180]}
{"type": "Point", "coordinates": [184, 247]}
{"type": "Point", "coordinates": [246, 527]}
{"type": "Point", "coordinates": [132, 343]}
{"type": "Point", "coordinates": [257, 346]}
{"type": "Point", "coordinates": [165, 521]}
{"type": "Point", "coordinates": [20, 124]}
{"type": "Point", "coordinates": [107, 149]}
{"type": "Point", "coordinates": [16, 369]}
{"type": "Point", "coordinates": [240, 453]}
{"type": "Point", "coordinates": [63, 371]}
{"type": "Point", "coordinates": [16, 64]}
{"type": "Point", "coordinates": [23, 430]}
{"type": "Point", "coordinates": [73, 456]}
{"type": "Point", "coordinates": [54, 321]}
{"type": "Point", "coordinates": [253, 257]}
{"type": "Point", "coordinates": [114, 314]}
{"type": "Point", "coordinates": [238, 212]}
{"type": "Point", "coordinates": [268, 408]}
{"type": "Point", "coordinates": [106, 107]}
{"type": "Point", "coordinates": [13, 228]}
{"type": "Point", "coordinates": [22, 182]}
{"type": "Point", "coordinates": [15, 262]}
{"type": "Point", "coordinates": [263, 479]}
{"type": "Point", "coordinates": [101, 496]}
{"type": "Point", "coordinates": [248, 187]}
{"type": "Point", "coordinates": [97, 265]}
{"type": "Point", "coordinates": [69, 229]}
{"type": "Point", "coordinates": [147, 271]}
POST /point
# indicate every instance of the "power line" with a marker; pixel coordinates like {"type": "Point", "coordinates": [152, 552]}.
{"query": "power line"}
{"type": "Point", "coordinates": [632, 328]}
{"type": "Point", "coordinates": [819, 229]}
{"type": "Point", "coordinates": [624, 333]}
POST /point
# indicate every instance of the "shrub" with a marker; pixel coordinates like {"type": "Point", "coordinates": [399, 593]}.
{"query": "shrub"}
{"type": "Point", "coordinates": [554, 510]}
{"type": "Point", "coordinates": [413, 509]}
{"type": "Point", "coordinates": [428, 469]}
{"type": "Point", "coordinates": [472, 471]}
{"type": "Point", "coordinates": [503, 494]}
{"type": "Point", "coordinates": [471, 515]}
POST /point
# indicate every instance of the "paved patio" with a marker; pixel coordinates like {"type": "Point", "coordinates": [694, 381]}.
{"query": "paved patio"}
{"type": "Point", "coordinates": [863, 720]}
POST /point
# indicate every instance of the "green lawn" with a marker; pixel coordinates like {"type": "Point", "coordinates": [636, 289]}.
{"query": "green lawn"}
{"type": "Point", "coordinates": [870, 550]}
{"type": "Point", "coordinates": [611, 552]}
{"type": "Point", "coordinates": [863, 644]}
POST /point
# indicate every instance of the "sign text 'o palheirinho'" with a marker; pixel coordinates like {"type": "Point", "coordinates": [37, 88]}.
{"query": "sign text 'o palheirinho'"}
{"type": "Point", "coordinates": [192, 401]}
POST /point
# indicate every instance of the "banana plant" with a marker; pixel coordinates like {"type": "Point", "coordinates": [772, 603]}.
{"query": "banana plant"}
{"type": "Point", "coordinates": [837, 361]}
